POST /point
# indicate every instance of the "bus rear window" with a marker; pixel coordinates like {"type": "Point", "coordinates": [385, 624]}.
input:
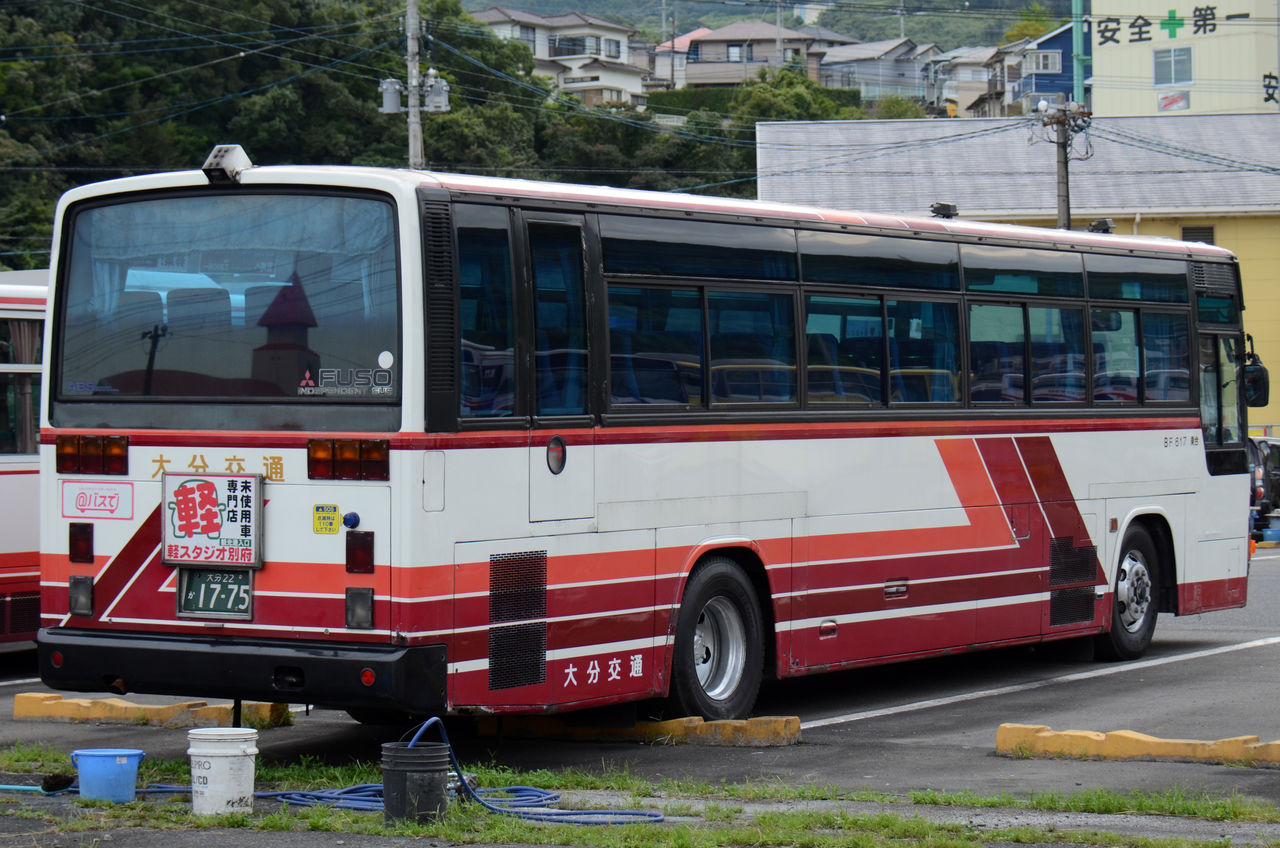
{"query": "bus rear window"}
{"type": "Point", "coordinates": [270, 296]}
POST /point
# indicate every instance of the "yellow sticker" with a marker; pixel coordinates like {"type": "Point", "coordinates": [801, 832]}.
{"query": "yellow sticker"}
{"type": "Point", "coordinates": [324, 519]}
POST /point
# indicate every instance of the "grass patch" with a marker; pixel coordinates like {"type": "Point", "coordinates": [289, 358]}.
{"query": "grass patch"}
{"type": "Point", "coordinates": [1173, 802]}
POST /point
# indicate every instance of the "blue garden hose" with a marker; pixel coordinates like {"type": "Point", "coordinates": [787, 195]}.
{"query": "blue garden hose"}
{"type": "Point", "coordinates": [524, 802]}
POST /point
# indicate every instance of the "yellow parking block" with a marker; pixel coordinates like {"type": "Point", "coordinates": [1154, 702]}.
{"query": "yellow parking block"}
{"type": "Point", "coordinates": [759, 732]}
{"type": "Point", "coordinates": [1038, 740]}
{"type": "Point", "coordinates": [48, 707]}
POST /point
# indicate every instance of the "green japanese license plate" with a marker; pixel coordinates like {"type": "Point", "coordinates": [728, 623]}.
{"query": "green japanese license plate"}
{"type": "Point", "coordinates": [224, 592]}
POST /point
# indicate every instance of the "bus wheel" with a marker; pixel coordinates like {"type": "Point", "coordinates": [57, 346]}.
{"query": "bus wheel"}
{"type": "Point", "coordinates": [1133, 611]}
{"type": "Point", "coordinates": [719, 651]}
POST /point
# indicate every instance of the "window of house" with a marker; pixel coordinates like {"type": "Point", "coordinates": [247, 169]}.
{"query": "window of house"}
{"type": "Point", "coordinates": [1044, 62]}
{"type": "Point", "coordinates": [1173, 66]}
{"type": "Point", "coordinates": [693, 52]}
{"type": "Point", "coordinates": [790, 54]}
{"type": "Point", "coordinates": [739, 53]}
{"type": "Point", "coordinates": [612, 48]}
{"type": "Point", "coordinates": [529, 37]}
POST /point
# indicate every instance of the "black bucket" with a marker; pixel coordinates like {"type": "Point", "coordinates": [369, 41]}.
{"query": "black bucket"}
{"type": "Point", "coordinates": [415, 781]}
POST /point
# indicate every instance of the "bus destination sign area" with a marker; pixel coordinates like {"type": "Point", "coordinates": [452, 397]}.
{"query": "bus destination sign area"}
{"type": "Point", "coordinates": [212, 519]}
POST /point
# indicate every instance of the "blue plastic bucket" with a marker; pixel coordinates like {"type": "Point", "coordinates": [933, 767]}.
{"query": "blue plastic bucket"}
{"type": "Point", "coordinates": [107, 774]}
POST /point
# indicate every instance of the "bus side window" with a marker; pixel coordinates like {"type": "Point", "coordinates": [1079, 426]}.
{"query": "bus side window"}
{"type": "Point", "coordinates": [1115, 355]}
{"type": "Point", "coordinates": [559, 322]}
{"type": "Point", "coordinates": [924, 361]}
{"type": "Point", "coordinates": [487, 328]}
{"type": "Point", "coordinates": [753, 347]}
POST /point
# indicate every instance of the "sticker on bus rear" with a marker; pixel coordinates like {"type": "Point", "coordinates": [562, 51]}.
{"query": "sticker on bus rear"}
{"type": "Point", "coordinates": [212, 519]}
{"type": "Point", "coordinates": [324, 519]}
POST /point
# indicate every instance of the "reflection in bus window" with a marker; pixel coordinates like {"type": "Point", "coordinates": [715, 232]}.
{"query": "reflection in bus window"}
{"type": "Point", "coordinates": [753, 348]}
{"type": "Point", "coordinates": [845, 340]}
{"type": "Point", "coordinates": [1219, 389]}
{"type": "Point", "coordinates": [1115, 355]}
{"type": "Point", "coordinates": [485, 315]}
{"type": "Point", "coordinates": [1057, 355]}
{"type": "Point", "coordinates": [655, 346]}
{"type": "Point", "coordinates": [559, 319]}
{"type": "Point", "coordinates": [924, 360]}
{"type": "Point", "coordinates": [20, 343]}
{"type": "Point", "coordinates": [1166, 350]}
{"type": "Point", "coordinates": [997, 345]}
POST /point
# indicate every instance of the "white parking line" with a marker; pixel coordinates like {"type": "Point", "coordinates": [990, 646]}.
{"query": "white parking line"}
{"type": "Point", "coordinates": [1117, 668]}
{"type": "Point", "coordinates": [25, 682]}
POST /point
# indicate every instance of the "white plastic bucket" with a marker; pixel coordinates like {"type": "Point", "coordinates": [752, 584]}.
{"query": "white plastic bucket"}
{"type": "Point", "coordinates": [222, 764]}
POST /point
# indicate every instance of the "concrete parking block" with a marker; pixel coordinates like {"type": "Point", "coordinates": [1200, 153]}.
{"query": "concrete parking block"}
{"type": "Point", "coordinates": [759, 732]}
{"type": "Point", "coordinates": [48, 707]}
{"type": "Point", "coordinates": [1038, 740]}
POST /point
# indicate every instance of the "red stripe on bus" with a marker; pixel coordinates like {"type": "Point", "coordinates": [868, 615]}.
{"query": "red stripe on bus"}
{"type": "Point", "coordinates": [134, 554]}
{"type": "Point", "coordinates": [627, 435]}
{"type": "Point", "coordinates": [1054, 492]}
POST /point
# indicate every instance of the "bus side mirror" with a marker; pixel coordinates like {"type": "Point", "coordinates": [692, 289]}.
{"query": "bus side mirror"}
{"type": "Point", "coordinates": [1257, 385]}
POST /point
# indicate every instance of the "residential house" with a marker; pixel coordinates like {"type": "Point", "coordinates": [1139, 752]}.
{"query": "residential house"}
{"type": "Point", "coordinates": [965, 80]}
{"type": "Point", "coordinates": [1004, 72]}
{"type": "Point", "coordinates": [587, 56]}
{"type": "Point", "coordinates": [1048, 72]}
{"type": "Point", "coordinates": [1160, 175]}
{"type": "Point", "coordinates": [1149, 58]}
{"type": "Point", "coordinates": [824, 39]}
{"type": "Point", "coordinates": [670, 58]}
{"type": "Point", "coordinates": [880, 69]}
{"type": "Point", "coordinates": [1023, 73]}
{"type": "Point", "coordinates": [738, 52]}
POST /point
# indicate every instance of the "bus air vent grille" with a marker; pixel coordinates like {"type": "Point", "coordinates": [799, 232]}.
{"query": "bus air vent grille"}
{"type": "Point", "coordinates": [517, 655]}
{"type": "Point", "coordinates": [1071, 606]}
{"type": "Point", "coordinates": [517, 593]}
{"type": "Point", "coordinates": [1213, 275]}
{"type": "Point", "coordinates": [1069, 564]}
{"type": "Point", "coordinates": [24, 613]}
{"type": "Point", "coordinates": [442, 315]}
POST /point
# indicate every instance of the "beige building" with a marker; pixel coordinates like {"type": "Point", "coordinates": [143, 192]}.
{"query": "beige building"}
{"type": "Point", "coordinates": [1153, 57]}
{"type": "Point", "coordinates": [1212, 178]}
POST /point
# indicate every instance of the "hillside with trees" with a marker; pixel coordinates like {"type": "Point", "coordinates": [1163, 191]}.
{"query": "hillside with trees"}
{"type": "Point", "coordinates": [90, 92]}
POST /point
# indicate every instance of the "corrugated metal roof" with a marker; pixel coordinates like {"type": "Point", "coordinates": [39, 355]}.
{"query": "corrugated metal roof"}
{"type": "Point", "coordinates": [1003, 168]}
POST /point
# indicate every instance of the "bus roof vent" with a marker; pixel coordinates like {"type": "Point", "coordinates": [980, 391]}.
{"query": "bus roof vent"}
{"type": "Point", "coordinates": [225, 163]}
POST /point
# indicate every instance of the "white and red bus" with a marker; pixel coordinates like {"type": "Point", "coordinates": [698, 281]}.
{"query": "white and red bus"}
{"type": "Point", "coordinates": [22, 303]}
{"type": "Point", "coordinates": [393, 440]}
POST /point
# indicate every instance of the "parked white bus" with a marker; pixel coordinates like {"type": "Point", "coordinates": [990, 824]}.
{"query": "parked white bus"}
{"type": "Point", "coordinates": [22, 305]}
{"type": "Point", "coordinates": [393, 440]}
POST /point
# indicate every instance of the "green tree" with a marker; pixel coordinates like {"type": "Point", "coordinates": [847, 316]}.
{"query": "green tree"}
{"type": "Point", "coordinates": [1033, 22]}
{"type": "Point", "coordinates": [896, 106]}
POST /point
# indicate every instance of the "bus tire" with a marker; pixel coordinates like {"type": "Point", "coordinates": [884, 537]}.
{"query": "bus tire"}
{"type": "Point", "coordinates": [1134, 607]}
{"type": "Point", "coordinates": [719, 649]}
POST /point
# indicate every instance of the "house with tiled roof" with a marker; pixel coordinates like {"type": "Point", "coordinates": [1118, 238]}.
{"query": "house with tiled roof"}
{"type": "Point", "coordinates": [879, 69]}
{"type": "Point", "coordinates": [671, 57]}
{"type": "Point", "coordinates": [585, 55]}
{"type": "Point", "coordinates": [1211, 178]}
{"type": "Point", "coordinates": [738, 52]}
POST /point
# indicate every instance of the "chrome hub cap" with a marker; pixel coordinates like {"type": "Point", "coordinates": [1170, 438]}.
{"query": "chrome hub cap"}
{"type": "Point", "coordinates": [719, 648]}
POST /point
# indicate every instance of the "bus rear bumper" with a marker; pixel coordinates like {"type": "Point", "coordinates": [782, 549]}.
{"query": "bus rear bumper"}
{"type": "Point", "coordinates": [410, 679]}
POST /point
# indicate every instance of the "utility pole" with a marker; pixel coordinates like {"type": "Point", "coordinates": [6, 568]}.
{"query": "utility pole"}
{"type": "Point", "coordinates": [436, 90]}
{"type": "Point", "coordinates": [777, 34]}
{"type": "Point", "coordinates": [411, 32]}
{"type": "Point", "coordinates": [1067, 119]}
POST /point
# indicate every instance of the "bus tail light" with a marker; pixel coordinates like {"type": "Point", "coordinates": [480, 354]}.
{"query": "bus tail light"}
{"type": "Point", "coordinates": [92, 454]}
{"type": "Point", "coordinates": [348, 459]}
{"type": "Point", "coordinates": [80, 541]}
{"type": "Point", "coordinates": [359, 608]}
{"type": "Point", "coordinates": [359, 552]}
{"type": "Point", "coordinates": [80, 596]}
